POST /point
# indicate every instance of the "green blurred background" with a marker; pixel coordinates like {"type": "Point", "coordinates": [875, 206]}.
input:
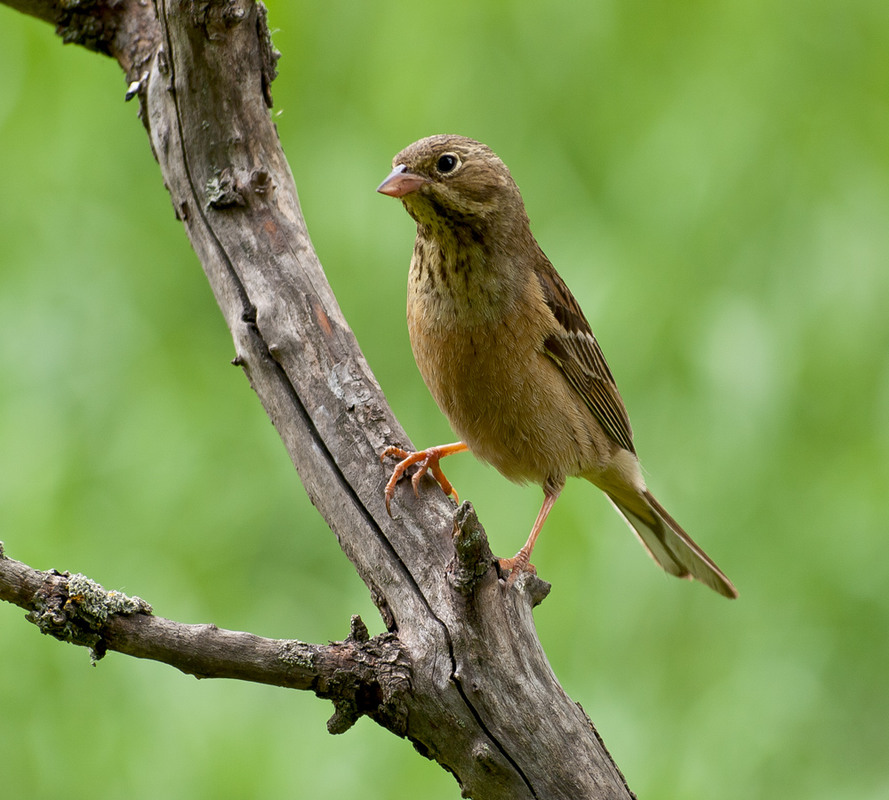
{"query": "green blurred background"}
{"type": "Point", "coordinates": [711, 179]}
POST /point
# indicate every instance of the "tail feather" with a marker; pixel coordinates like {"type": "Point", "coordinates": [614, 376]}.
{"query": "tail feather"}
{"type": "Point", "coordinates": [669, 545]}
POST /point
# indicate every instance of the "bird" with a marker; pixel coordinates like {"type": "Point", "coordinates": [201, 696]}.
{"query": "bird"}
{"type": "Point", "coordinates": [509, 357]}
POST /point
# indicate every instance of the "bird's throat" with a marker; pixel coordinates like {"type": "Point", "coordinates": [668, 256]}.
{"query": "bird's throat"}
{"type": "Point", "coordinates": [459, 281]}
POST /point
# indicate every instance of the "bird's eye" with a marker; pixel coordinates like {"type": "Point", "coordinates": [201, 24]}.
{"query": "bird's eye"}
{"type": "Point", "coordinates": [447, 163]}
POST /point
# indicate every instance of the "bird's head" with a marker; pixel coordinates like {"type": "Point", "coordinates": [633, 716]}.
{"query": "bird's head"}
{"type": "Point", "coordinates": [450, 181]}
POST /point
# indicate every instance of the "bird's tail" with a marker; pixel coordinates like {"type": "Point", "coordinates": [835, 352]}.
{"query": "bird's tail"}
{"type": "Point", "coordinates": [670, 546]}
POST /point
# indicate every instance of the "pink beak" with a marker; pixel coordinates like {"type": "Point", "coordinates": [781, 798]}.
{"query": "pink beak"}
{"type": "Point", "coordinates": [400, 182]}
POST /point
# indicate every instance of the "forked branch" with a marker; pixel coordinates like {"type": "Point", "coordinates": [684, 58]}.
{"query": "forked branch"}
{"type": "Point", "coordinates": [467, 681]}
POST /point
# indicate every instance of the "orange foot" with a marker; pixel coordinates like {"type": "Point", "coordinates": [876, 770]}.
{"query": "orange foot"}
{"type": "Point", "coordinates": [426, 461]}
{"type": "Point", "coordinates": [518, 564]}
{"type": "Point", "coordinates": [521, 561]}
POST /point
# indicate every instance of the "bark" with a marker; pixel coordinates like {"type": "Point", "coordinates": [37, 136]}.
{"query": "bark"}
{"type": "Point", "coordinates": [359, 675]}
{"type": "Point", "coordinates": [460, 671]}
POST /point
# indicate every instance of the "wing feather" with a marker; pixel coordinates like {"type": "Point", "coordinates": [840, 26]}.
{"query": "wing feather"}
{"type": "Point", "coordinates": [575, 351]}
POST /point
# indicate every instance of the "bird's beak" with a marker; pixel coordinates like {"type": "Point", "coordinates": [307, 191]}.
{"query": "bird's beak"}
{"type": "Point", "coordinates": [400, 182]}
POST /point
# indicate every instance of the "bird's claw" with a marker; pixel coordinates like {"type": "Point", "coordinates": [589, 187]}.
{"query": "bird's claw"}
{"type": "Point", "coordinates": [516, 565]}
{"type": "Point", "coordinates": [425, 461]}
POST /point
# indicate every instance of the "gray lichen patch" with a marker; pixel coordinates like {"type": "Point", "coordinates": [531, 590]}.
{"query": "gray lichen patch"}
{"type": "Point", "coordinates": [94, 601]}
{"type": "Point", "coordinates": [75, 609]}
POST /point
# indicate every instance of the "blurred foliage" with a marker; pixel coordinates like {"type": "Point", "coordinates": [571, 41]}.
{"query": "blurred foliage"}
{"type": "Point", "coordinates": [711, 179]}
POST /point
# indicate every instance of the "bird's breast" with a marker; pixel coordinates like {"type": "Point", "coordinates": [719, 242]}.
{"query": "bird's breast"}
{"type": "Point", "coordinates": [481, 356]}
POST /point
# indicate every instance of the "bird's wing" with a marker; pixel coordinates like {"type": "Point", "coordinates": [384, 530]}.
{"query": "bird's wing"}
{"type": "Point", "coordinates": [574, 349]}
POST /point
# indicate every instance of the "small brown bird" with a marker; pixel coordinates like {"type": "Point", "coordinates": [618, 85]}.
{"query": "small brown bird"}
{"type": "Point", "coordinates": [509, 356]}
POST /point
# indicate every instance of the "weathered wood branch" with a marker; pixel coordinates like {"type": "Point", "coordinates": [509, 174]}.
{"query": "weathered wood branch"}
{"type": "Point", "coordinates": [482, 698]}
{"type": "Point", "coordinates": [361, 675]}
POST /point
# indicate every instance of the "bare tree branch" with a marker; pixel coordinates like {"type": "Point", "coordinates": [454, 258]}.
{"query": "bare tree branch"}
{"type": "Point", "coordinates": [481, 698]}
{"type": "Point", "coordinates": [126, 30]}
{"type": "Point", "coordinates": [360, 675]}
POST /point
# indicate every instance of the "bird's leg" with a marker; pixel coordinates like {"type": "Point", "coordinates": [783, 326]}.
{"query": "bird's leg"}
{"type": "Point", "coordinates": [521, 561]}
{"type": "Point", "coordinates": [426, 461]}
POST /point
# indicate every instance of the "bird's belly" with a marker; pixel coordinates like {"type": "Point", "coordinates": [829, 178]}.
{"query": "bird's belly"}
{"type": "Point", "coordinates": [509, 404]}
